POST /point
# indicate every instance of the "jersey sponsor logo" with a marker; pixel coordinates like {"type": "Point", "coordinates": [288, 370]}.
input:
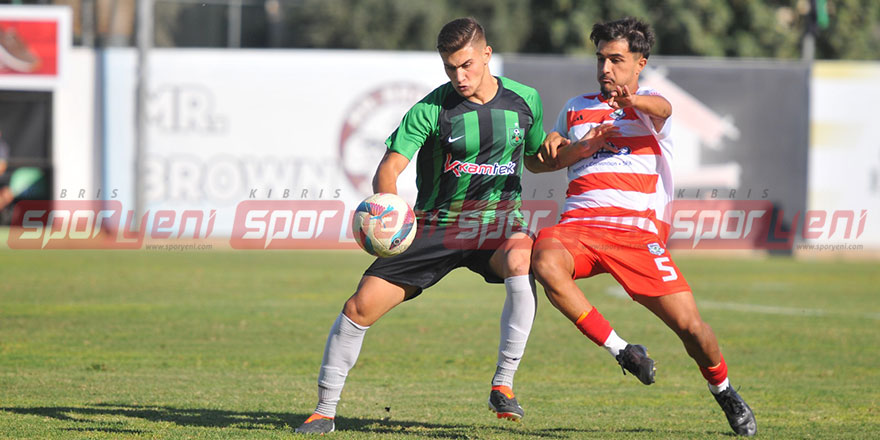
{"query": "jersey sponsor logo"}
{"type": "Point", "coordinates": [453, 139]}
{"type": "Point", "coordinates": [494, 169]}
{"type": "Point", "coordinates": [515, 135]}
{"type": "Point", "coordinates": [618, 114]}
{"type": "Point", "coordinates": [603, 152]}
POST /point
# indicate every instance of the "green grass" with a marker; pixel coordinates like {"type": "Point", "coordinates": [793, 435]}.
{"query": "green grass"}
{"type": "Point", "coordinates": [137, 344]}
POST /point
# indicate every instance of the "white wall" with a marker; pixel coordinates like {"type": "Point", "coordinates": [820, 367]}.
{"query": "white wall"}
{"type": "Point", "coordinates": [224, 123]}
{"type": "Point", "coordinates": [74, 147]}
{"type": "Point", "coordinates": [844, 168]}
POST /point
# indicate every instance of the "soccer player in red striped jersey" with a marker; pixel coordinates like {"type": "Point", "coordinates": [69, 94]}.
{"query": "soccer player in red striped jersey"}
{"type": "Point", "coordinates": [617, 147]}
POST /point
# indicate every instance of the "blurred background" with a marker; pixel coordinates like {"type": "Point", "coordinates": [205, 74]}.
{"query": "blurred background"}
{"type": "Point", "coordinates": [202, 104]}
{"type": "Point", "coordinates": [843, 29]}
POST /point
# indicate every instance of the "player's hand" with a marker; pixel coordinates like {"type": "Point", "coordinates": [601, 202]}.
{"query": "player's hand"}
{"type": "Point", "coordinates": [597, 138]}
{"type": "Point", "coordinates": [622, 98]}
{"type": "Point", "coordinates": [548, 150]}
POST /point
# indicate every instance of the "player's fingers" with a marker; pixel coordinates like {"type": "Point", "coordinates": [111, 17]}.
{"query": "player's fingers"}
{"type": "Point", "coordinates": [612, 132]}
{"type": "Point", "coordinates": [606, 127]}
{"type": "Point", "coordinates": [553, 146]}
{"type": "Point", "coordinates": [609, 131]}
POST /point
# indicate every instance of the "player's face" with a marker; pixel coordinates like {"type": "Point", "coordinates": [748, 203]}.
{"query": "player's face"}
{"type": "Point", "coordinates": [617, 66]}
{"type": "Point", "coordinates": [468, 68]}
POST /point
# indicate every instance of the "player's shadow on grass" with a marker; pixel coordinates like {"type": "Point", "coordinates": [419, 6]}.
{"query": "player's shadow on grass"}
{"type": "Point", "coordinates": [93, 418]}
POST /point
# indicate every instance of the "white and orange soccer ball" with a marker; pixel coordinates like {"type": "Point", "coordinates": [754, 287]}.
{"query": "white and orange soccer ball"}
{"type": "Point", "coordinates": [384, 225]}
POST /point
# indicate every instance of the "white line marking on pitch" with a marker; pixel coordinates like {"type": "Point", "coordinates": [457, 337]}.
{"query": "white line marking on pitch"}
{"type": "Point", "coordinates": [618, 292]}
{"type": "Point", "coordinates": [755, 308]}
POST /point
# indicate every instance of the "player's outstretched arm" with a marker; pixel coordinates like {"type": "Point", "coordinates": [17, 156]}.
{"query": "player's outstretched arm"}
{"type": "Point", "coordinates": [657, 107]}
{"type": "Point", "coordinates": [565, 153]}
{"type": "Point", "coordinates": [546, 159]}
{"type": "Point", "coordinates": [385, 179]}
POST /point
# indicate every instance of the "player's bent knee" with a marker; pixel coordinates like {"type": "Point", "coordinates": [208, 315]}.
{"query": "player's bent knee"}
{"type": "Point", "coordinates": [540, 270]}
{"type": "Point", "coordinates": [517, 263]}
{"type": "Point", "coordinates": [353, 311]}
{"type": "Point", "coordinates": [358, 309]}
{"type": "Point", "coordinates": [547, 269]}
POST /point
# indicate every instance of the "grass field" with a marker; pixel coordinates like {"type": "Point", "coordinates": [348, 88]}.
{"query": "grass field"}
{"type": "Point", "coordinates": [222, 344]}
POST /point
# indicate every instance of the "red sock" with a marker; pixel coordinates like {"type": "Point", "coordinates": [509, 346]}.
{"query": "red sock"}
{"type": "Point", "coordinates": [504, 390]}
{"type": "Point", "coordinates": [594, 326]}
{"type": "Point", "coordinates": [715, 375]}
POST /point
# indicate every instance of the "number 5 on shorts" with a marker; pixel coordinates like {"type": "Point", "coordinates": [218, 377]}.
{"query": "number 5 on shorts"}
{"type": "Point", "coordinates": [668, 269]}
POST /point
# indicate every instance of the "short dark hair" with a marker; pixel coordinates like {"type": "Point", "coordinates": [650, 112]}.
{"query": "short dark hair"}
{"type": "Point", "coordinates": [637, 34]}
{"type": "Point", "coordinates": [459, 33]}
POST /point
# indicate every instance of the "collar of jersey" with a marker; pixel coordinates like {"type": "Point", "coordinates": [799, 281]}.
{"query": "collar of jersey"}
{"type": "Point", "coordinates": [472, 104]}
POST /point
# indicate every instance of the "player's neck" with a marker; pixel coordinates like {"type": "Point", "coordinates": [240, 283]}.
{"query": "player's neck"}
{"type": "Point", "coordinates": [488, 89]}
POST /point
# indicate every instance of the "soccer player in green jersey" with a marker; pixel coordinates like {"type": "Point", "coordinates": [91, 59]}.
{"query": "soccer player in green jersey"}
{"type": "Point", "coordinates": [473, 136]}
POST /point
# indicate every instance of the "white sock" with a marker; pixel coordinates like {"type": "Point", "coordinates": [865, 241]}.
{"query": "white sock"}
{"type": "Point", "coordinates": [516, 323]}
{"type": "Point", "coordinates": [340, 354]}
{"type": "Point", "coordinates": [614, 344]}
{"type": "Point", "coordinates": [715, 389]}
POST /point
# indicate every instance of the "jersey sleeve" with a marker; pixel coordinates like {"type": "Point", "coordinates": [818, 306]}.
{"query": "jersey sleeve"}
{"type": "Point", "coordinates": [561, 126]}
{"type": "Point", "coordinates": [535, 136]}
{"type": "Point", "coordinates": [418, 123]}
{"type": "Point", "coordinates": [666, 129]}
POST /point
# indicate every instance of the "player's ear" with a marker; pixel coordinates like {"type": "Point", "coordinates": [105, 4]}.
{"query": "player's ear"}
{"type": "Point", "coordinates": [487, 54]}
{"type": "Point", "coordinates": [642, 62]}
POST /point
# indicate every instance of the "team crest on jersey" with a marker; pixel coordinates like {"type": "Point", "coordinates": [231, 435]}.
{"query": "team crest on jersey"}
{"type": "Point", "coordinates": [618, 114]}
{"type": "Point", "coordinates": [656, 249]}
{"type": "Point", "coordinates": [515, 135]}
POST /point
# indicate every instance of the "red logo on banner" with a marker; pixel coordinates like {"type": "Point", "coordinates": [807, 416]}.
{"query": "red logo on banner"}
{"type": "Point", "coordinates": [471, 231]}
{"type": "Point", "coordinates": [100, 224]}
{"type": "Point", "coordinates": [73, 224]}
{"type": "Point", "coordinates": [291, 224]}
{"type": "Point", "coordinates": [756, 224]}
{"type": "Point", "coordinates": [28, 47]}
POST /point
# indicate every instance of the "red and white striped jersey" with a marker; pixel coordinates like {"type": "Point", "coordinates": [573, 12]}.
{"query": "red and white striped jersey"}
{"type": "Point", "coordinates": [625, 190]}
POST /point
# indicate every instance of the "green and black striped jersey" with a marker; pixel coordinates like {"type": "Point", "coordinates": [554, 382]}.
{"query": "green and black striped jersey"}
{"type": "Point", "coordinates": [470, 156]}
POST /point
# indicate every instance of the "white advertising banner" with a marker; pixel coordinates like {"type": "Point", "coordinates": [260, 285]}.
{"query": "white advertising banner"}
{"type": "Point", "coordinates": [844, 169]}
{"type": "Point", "coordinates": [229, 126]}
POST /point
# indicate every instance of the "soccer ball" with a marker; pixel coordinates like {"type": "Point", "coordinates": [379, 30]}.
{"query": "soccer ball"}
{"type": "Point", "coordinates": [384, 225]}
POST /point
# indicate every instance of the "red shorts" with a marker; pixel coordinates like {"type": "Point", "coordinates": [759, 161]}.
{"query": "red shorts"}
{"type": "Point", "coordinates": [637, 259]}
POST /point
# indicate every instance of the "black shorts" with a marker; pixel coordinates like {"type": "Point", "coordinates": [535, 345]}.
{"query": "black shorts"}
{"type": "Point", "coordinates": [435, 252]}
